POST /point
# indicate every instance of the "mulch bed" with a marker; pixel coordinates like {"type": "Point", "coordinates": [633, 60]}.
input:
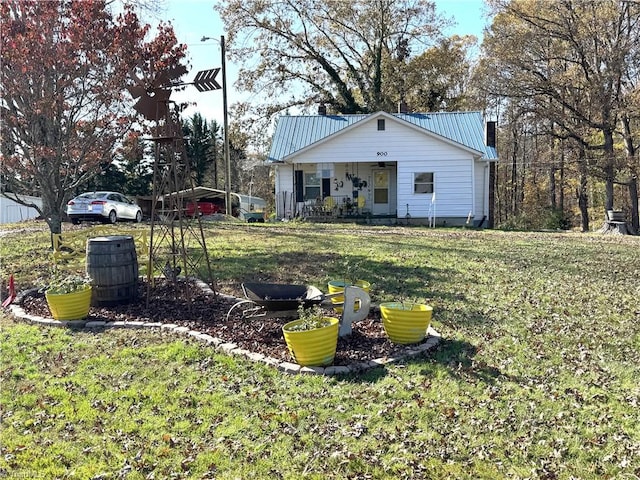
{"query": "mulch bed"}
{"type": "Point", "coordinates": [187, 305]}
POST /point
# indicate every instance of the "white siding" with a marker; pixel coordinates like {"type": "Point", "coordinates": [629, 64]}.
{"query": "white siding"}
{"type": "Point", "coordinates": [11, 211]}
{"type": "Point", "coordinates": [362, 147]}
{"type": "Point", "coordinates": [285, 193]}
{"type": "Point", "coordinates": [364, 143]}
{"type": "Point", "coordinates": [481, 175]}
{"type": "Point", "coordinates": [453, 187]}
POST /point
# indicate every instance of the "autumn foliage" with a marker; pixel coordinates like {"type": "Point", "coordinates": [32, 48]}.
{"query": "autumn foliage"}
{"type": "Point", "coordinates": [66, 66]}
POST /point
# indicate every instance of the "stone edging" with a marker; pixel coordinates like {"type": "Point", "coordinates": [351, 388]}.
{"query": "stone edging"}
{"type": "Point", "coordinates": [222, 346]}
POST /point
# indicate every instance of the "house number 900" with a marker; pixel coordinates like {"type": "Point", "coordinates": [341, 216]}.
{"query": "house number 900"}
{"type": "Point", "coordinates": [382, 154]}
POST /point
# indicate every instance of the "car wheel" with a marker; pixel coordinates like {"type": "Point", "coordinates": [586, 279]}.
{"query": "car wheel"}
{"type": "Point", "coordinates": [75, 221]}
{"type": "Point", "coordinates": [138, 217]}
{"type": "Point", "coordinates": [113, 218]}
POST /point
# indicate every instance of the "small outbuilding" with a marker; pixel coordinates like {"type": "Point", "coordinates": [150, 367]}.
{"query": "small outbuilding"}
{"type": "Point", "coordinates": [12, 211]}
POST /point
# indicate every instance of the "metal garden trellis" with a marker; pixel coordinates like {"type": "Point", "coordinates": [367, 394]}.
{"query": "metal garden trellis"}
{"type": "Point", "coordinates": [172, 180]}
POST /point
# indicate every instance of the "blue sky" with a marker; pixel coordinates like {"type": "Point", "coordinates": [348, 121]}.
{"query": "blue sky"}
{"type": "Point", "coordinates": [193, 19]}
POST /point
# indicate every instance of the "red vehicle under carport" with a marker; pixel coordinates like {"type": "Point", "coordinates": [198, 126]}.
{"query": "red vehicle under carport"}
{"type": "Point", "coordinates": [202, 208]}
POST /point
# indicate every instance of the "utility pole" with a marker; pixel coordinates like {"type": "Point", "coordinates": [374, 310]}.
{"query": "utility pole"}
{"type": "Point", "coordinates": [227, 155]}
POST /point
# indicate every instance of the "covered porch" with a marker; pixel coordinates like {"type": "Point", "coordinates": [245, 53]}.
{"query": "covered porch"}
{"type": "Point", "coordinates": [349, 190]}
{"type": "Point", "coordinates": [335, 207]}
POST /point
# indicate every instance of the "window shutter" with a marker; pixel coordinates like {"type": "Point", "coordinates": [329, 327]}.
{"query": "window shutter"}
{"type": "Point", "coordinates": [299, 185]}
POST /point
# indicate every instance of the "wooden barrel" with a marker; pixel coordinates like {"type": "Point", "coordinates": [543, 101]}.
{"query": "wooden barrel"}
{"type": "Point", "coordinates": [112, 264]}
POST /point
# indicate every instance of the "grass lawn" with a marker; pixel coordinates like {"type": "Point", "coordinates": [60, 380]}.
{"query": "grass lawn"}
{"type": "Point", "coordinates": [537, 376]}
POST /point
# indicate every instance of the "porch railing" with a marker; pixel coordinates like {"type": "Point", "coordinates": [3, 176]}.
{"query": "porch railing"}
{"type": "Point", "coordinates": [337, 206]}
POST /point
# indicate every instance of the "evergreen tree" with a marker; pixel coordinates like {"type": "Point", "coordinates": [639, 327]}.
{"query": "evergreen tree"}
{"type": "Point", "coordinates": [198, 146]}
{"type": "Point", "coordinates": [137, 165]}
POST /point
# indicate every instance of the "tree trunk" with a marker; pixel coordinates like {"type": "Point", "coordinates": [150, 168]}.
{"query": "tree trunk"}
{"type": "Point", "coordinates": [52, 212]}
{"type": "Point", "coordinates": [500, 193]}
{"type": "Point", "coordinates": [552, 188]}
{"type": "Point", "coordinates": [552, 170]}
{"type": "Point", "coordinates": [55, 225]}
{"type": "Point", "coordinates": [514, 176]}
{"type": "Point", "coordinates": [523, 177]}
{"type": "Point", "coordinates": [609, 169]}
{"type": "Point", "coordinates": [583, 199]}
{"type": "Point", "coordinates": [633, 166]}
{"type": "Point", "coordinates": [633, 197]}
{"type": "Point", "coordinates": [214, 168]}
{"type": "Point", "coordinates": [492, 198]}
{"type": "Point", "coordinates": [561, 193]}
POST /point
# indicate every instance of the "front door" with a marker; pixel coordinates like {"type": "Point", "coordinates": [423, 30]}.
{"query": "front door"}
{"type": "Point", "coordinates": [380, 192]}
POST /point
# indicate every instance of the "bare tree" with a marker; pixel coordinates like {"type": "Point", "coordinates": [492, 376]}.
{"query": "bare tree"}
{"type": "Point", "coordinates": [342, 54]}
{"type": "Point", "coordinates": [572, 59]}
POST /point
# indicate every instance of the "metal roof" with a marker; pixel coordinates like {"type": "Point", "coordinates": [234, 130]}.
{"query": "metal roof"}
{"type": "Point", "coordinates": [197, 193]}
{"type": "Point", "coordinates": [294, 133]}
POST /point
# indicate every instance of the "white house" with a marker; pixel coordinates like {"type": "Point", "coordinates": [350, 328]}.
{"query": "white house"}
{"type": "Point", "coordinates": [419, 167]}
{"type": "Point", "coordinates": [12, 211]}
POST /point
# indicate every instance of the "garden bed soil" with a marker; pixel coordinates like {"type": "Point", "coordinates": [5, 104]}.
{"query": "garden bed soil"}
{"type": "Point", "coordinates": [185, 304]}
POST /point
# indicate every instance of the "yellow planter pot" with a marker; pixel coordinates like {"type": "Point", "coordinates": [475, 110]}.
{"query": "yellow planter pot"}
{"type": "Point", "coordinates": [69, 306]}
{"type": "Point", "coordinates": [337, 286]}
{"type": "Point", "coordinates": [312, 348]}
{"type": "Point", "coordinates": [405, 323]}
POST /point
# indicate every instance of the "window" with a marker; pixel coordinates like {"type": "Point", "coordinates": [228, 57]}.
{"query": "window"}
{"type": "Point", "coordinates": [381, 124]}
{"type": "Point", "coordinates": [423, 182]}
{"type": "Point", "coordinates": [311, 186]}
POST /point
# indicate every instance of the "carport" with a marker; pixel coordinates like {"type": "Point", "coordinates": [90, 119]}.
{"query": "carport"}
{"type": "Point", "coordinates": [245, 207]}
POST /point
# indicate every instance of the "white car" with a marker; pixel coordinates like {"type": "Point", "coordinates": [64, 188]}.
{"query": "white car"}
{"type": "Point", "coordinates": [103, 206]}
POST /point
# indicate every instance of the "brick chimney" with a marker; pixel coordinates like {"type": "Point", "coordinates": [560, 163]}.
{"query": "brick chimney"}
{"type": "Point", "coordinates": [322, 109]}
{"type": "Point", "coordinates": [490, 134]}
